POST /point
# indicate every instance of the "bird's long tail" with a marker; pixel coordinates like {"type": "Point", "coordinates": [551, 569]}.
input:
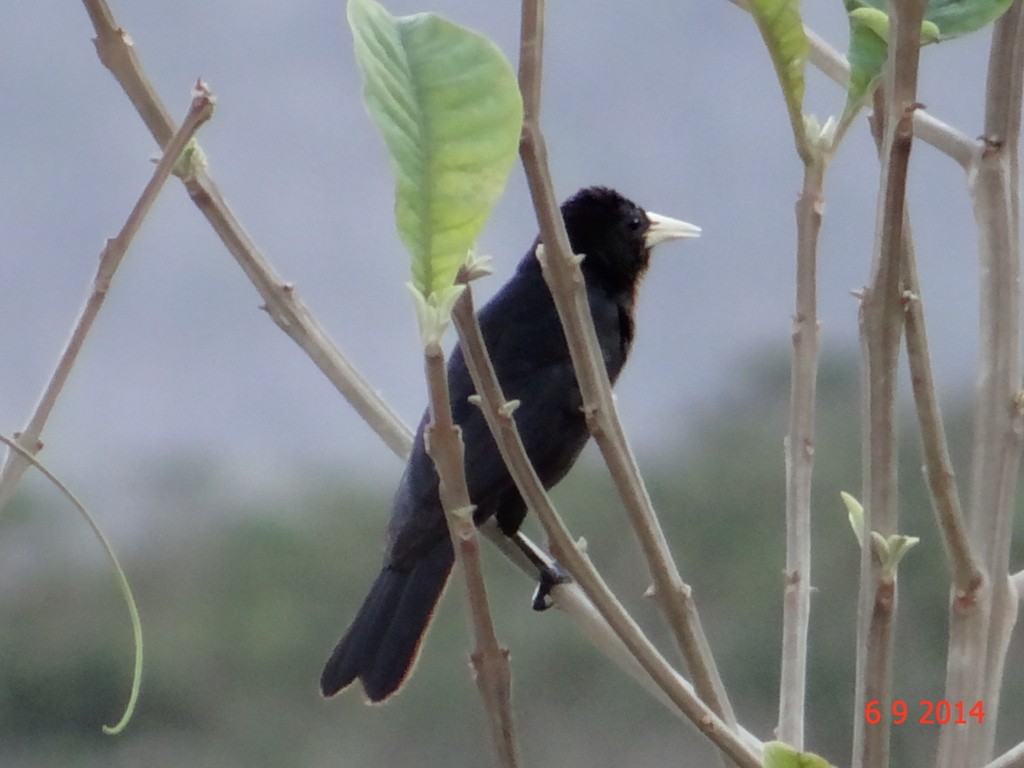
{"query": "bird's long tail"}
{"type": "Point", "coordinates": [383, 641]}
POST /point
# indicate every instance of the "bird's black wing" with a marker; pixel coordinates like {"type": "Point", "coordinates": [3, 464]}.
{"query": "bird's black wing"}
{"type": "Point", "coordinates": [527, 347]}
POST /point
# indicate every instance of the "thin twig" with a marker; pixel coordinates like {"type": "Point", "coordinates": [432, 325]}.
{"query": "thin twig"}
{"type": "Point", "coordinates": [1013, 758]}
{"type": "Point", "coordinates": [499, 415]}
{"type": "Point", "coordinates": [562, 273]}
{"type": "Point", "coordinates": [281, 300]}
{"type": "Point", "coordinates": [980, 631]}
{"type": "Point", "coordinates": [1017, 582]}
{"type": "Point", "coordinates": [116, 52]}
{"type": "Point", "coordinates": [881, 326]}
{"type": "Point", "coordinates": [287, 309]}
{"type": "Point", "coordinates": [994, 534]}
{"type": "Point", "coordinates": [111, 257]}
{"type": "Point", "coordinates": [122, 581]}
{"type": "Point", "coordinates": [938, 467]}
{"type": "Point", "coordinates": [800, 461]}
{"type": "Point", "coordinates": [444, 445]}
{"type": "Point", "coordinates": [573, 601]}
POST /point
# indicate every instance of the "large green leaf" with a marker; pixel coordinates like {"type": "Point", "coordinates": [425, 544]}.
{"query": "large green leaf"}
{"type": "Point", "coordinates": [448, 105]}
{"type": "Point", "coordinates": [783, 31]}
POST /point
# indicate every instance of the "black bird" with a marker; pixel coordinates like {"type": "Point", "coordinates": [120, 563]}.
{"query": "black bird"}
{"type": "Point", "coordinates": [530, 356]}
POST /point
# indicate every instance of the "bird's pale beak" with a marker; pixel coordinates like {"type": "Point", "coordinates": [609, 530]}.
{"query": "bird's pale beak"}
{"type": "Point", "coordinates": [664, 229]}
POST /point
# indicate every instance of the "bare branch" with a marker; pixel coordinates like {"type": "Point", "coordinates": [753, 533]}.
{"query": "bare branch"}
{"type": "Point", "coordinates": [281, 299]}
{"type": "Point", "coordinates": [113, 253]}
{"type": "Point", "coordinates": [287, 309]}
{"type": "Point", "coordinates": [499, 419]}
{"type": "Point", "coordinates": [800, 461]}
{"type": "Point", "coordinates": [1017, 582]}
{"type": "Point", "coordinates": [938, 467]}
{"type": "Point", "coordinates": [561, 271]}
{"type": "Point", "coordinates": [1014, 758]}
{"type": "Point", "coordinates": [881, 319]}
{"type": "Point", "coordinates": [980, 629]}
{"type": "Point", "coordinates": [443, 441]}
{"type": "Point", "coordinates": [116, 52]}
{"type": "Point", "coordinates": [573, 601]}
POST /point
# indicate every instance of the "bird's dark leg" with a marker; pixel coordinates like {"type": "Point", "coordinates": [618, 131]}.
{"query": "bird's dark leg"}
{"type": "Point", "coordinates": [549, 572]}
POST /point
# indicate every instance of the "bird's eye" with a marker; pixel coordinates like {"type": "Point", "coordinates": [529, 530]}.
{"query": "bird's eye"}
{"type": "Point", "coordinates": [636, 222]}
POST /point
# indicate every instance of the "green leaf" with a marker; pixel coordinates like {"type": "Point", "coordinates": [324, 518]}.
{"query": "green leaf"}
{"type": "Point", "coordinates": [878, 22]}
{"type": "Point", "coordinates": [778, 754]}
{"type": "Point", "coordinates": [867, 58]}
{"type": "Point", "coordinates": [448, 106]}
{"type": "Point", "coordinates": [869, 28]}
{"type": "Point", "coordinates": [874, 19]}
{"type": "Point", "coordinates": [192, 159]}
{"type": "Point", "coordinates": [855, 514]}
{"type": "Point", "coordinates": [956, 18]}
{"type": "Point", "coordinates": [930, 32]}
{"type": "Point", "coordinates": [944, 19]}
{"type": "Point", "coordinates": [889, 551]}
{"type": "Point", "coordinates": [897, 546]}
{"type": "Point", "coordinates": [783, 31]}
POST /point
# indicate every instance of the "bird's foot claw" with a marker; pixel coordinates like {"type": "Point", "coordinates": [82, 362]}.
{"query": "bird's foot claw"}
{"type": "Point", "coordinates": [550, 577]}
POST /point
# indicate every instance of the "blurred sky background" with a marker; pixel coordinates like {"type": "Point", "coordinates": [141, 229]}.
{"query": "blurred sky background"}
{"type": "Point", "coordinates": [675, 104]}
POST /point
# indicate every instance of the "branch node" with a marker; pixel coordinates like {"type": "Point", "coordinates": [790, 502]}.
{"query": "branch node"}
{"type": "Point", "coordinates": [1018, 403]}
{"type": "Point", "coordinates": [477, 265]}
{"type": "Point", "coordinates": [202, 91]}
{"type": "Point", "coordinates": [464, 514]}
{"type": "Point", "coordinates": [592, 414]}
{"type": "Point", "coordinates": [993, 145]}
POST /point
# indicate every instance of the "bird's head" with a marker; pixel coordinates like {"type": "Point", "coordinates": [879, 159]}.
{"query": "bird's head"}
{"type": "Point", "coordinates": [616, 235]}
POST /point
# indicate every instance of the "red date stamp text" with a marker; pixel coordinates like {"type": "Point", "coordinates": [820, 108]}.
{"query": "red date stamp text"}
{"type": "Point", "coordinates": [926, 712]}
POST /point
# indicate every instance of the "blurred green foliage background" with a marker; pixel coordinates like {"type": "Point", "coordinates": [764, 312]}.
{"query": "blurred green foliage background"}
{"type": "Point", "coordinates": [242, 597]}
